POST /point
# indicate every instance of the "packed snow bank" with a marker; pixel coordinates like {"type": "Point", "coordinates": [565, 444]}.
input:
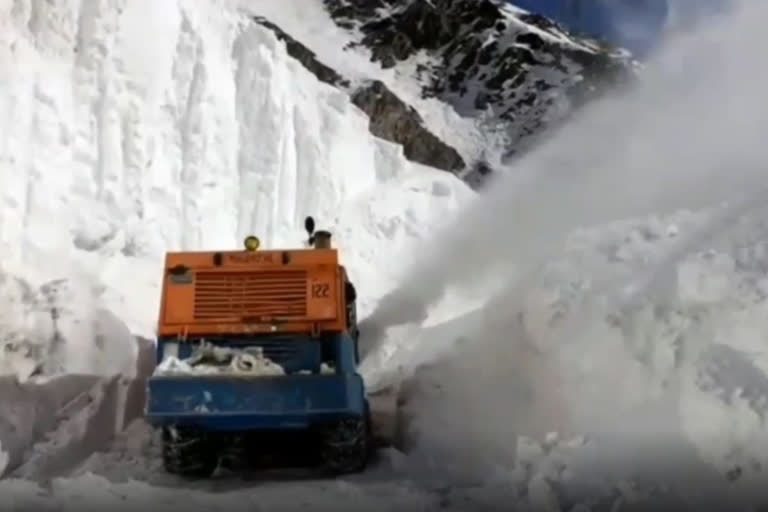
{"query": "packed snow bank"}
{"type": "Point", "coordinates": [218, 135]}
{"type": "Point", "coordinates": [48, 426]}
{"type": "Point", "coordinates": [28, 410]}
{"type": "Point", "coordinates": [84, 425]}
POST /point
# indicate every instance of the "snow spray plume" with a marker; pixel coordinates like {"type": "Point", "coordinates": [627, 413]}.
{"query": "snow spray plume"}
{"type": "Point", "coordinates": [689, 135]}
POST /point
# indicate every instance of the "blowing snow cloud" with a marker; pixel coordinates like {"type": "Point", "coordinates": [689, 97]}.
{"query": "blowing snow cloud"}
{"type": "Point", "coordinates": [690, 134]}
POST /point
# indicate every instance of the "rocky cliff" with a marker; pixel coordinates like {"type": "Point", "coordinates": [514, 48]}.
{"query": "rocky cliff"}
{"type": "Point", "coordinates": [515, 73]}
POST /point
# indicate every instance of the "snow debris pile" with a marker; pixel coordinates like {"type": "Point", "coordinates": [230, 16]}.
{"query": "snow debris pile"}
{"type": "Point", "coordinates": [669, 309]}
{"type": "Point", "coordinates": [211, 359]}
{"type": "Point", "coordinates": [51, 327]}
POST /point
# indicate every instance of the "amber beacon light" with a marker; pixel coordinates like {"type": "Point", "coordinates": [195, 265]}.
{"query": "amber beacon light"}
{"type": "Point", "coordinates": [251, 243]}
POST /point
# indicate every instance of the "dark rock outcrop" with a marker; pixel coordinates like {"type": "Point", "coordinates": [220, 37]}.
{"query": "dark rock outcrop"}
{"type": "Point", "coordinates": [488, 59]}
{"type": "Point", "coordinates": [391, 118]}
{"type": "Point", "coordinates": [395, 121]}
{"type": "Point", "coordinates": [304, 55]}
{"type": "Point", "coordinates": [517, 73]}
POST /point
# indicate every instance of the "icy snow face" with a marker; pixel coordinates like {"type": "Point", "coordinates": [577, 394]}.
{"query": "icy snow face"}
{"type": "Point", "coordinates": [108, 157]}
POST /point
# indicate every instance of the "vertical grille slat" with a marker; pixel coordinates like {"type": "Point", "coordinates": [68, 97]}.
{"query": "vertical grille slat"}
{"type": "Point", "coordinates": [245, 294]}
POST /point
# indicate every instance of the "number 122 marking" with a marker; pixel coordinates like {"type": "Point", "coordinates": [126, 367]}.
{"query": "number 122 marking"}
{"type": "Point", "coordinates": [321, 290]}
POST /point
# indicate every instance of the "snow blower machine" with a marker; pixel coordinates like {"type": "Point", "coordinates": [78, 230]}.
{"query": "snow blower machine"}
{"type": "Point", "coordinates": [257, 353]}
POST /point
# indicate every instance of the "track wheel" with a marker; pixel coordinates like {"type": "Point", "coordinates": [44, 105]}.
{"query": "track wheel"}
{"type": "Point", "coordinates": [189, 453]}
{"type": "Point", "coordinates": [345, 446]}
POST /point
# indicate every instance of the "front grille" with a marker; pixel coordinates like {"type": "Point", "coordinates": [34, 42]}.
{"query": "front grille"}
{"type": "Point", "coordinates": [247, 294]}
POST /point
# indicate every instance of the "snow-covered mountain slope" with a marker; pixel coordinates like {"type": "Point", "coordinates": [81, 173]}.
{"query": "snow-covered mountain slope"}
{"type": "Point", "coordinates": [485, 54]}
{"type": "Point", "coordinates": [108, 158]}
{"type": "Point", "coordinates": [224, 132]}
{"type": "Point", "coordinates": [487, 79]}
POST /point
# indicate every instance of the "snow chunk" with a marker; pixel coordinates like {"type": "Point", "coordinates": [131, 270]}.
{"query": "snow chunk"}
{"type": "Point", "coordinates": [211, 359]}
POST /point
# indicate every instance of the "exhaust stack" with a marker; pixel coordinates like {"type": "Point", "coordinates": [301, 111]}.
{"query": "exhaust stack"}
{"type": "Point", "coordinates": [320, 239]}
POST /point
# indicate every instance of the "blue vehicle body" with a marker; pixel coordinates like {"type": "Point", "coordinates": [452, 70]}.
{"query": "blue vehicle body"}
{"type": "Point", "coordinates": [232, 404]}
{"type": "Point", "coordinates": [298, 400]}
